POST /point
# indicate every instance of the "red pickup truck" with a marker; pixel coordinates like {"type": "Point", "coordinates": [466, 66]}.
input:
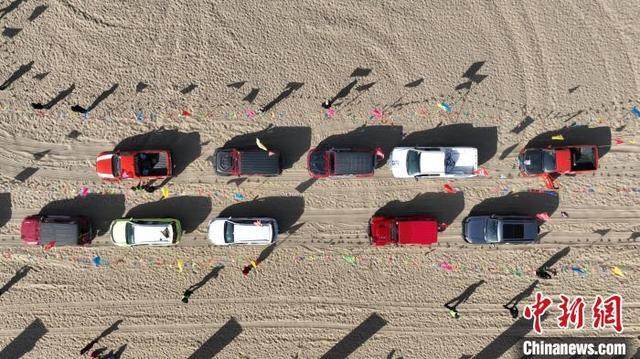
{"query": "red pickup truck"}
{"type": "Point", "coordinates": [418, 230]}
{"type": "Point", "coordinates": [342, 162]}
{"type": "Point", "coordinates": [142, 165]}
{"type": "Point", "coordinates": [555, 161]}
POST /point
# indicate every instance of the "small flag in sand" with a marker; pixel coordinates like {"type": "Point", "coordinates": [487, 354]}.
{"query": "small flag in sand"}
{"type": "Point", "coordinates": [447, 188]}
{"type": "Point", "coordinates": [97, 261]}
{"type": "Point", "coordinates": [257, 223]}
{"type": "Point", "coordinates": [482, 172]}
{"type": "Point", "coordinates": [617, 271]}
{"type": "Point", "coordinates": [350, 259]}
{"type": "Point", "coordinates": [331, 112]}
{"type": "Point", "coordinates": [180, 264]}
{"type": "Point", "coordinates": [139, 116]}
{"type": "Point", "coordinates": [84, 192]}
{"type": "Point", "coordinates": [578, 270]}
{"type": "Point", "coordinates": [635, 111]}
{"type": "Point", "coordinates": [557, 138]}
{"type": "Point", "coordinates": [261, 145]}
{"type": "Point", "coordinates": [445, 107]}
{"type": "Point", "coordinates": [238, 196]}
{"type": "Point", "coordinates": [165, 192]}
{"type": "Point", "coordinates": [446, 266]}
{"type": "Point", "coordinates": [564, 214]}
{"type": "Point", "coordinates": [544, 216]}
{"type": "Point", "coordinates": [379, 153]}
{"type": "Point", "coordinates": [376, 113]}
{"type": "Point", "coordinates": [186, 113]}
{"type": "Point", "coordinates": [49, 245]}
{"type": "Point", "coordinates": [250, 113]}
{"type": "Point", "coordinates": [618, 141]}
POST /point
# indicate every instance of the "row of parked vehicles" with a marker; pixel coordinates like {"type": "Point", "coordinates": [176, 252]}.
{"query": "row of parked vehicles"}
{"type": "Point", "coordinates": [404, 162]}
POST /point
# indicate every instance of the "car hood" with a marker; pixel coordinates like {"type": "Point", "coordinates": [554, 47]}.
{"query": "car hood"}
{"type": "Point", "coordinates": [215, 233]}
{"type": "Point", "coordinates": [380, 228]}
{"type": "Point", "coordinates": [104, 166]}
{"type": "Point", "coordinates": [474, 229]}
{"type": "Point", "coordinates": [398, 162]}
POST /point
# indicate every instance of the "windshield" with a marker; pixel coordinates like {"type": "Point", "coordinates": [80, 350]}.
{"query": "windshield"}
{"type": "Point", "coordinates": [115, 165]}
{"type": "Point", "coordinates": [413, 162]}
{"type": "Point", "coordinates": [394, 231]}
{"type": "Point", "coordinates": [491, 230]}
{"type": "Point", "coordinates": [128, 230]}
{"type": "Point", "coordinates": [228, 232]}
{"type": "Point", "coordinates": [316, 163]}
{"type": "Point", "coordinates": [549, 161]}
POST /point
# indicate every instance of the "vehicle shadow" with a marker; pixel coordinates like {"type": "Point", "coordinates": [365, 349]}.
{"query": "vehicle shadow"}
{"type": "Point", "coordinates": [578, 135]}
{"type": "Point", "coordinates": [286, 210]}
{"type": "Point", "coordinates": [225, 335]}
{"type": "Point", "coordinates": [292, 142]}
{"type": "Point", "coordinates": [356, 338]}
{"type": "Point", "coordinates": [485, 139]}
{"type": "Point", "coordinates": [444, 207]}
{"type": "Point", "coordinates": [185, 147]}
{"type": "Point", "coordinates": [366, 137]}
{"type": "Point", "coordinates": [102, 209]}
{"type": "Point", "coordinates": [519, 203]}
{"type": "Point", "coordinates": [5, 208]}
{"type": "Point", "coordinates": [190, 210]}
{"type": "Point", "coordinates": [25, 341]}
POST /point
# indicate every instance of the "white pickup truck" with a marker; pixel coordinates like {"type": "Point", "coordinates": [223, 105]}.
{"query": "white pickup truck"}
{"type": "Point", "coordinates": [448, 162]}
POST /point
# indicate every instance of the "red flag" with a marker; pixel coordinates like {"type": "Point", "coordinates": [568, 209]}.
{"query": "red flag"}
{"type": "Point", "coordinates": [449, 189]}
{"type": "Point", "coordinates": [482, 171]}
{"type": "Point", "coordinates": [186, 113]}
{"type": "Point", "coordinates": [49, 245]}
{"type": "Point", "coordinates": [379, 153]}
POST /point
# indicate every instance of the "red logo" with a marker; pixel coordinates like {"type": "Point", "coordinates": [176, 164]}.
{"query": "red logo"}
{"type": "Point", "coordinates": [536, 310]}
{"type": "Point", "coordinates": [572, 312]}
{"type": "Point", "coordinates": [608, 312]}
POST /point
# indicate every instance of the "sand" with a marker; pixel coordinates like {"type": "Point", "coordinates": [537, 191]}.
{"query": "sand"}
{"type": "Point", "coordinates": [196, 74]}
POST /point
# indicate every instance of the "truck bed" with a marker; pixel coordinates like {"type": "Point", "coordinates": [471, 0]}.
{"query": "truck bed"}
{"type": "Point", "coordinates": [151, 164]}
{"type": "Point", "coordinates": [353, 163]}
{"type": "Point", "coordinates": [259, 162]}
{"type": "Point", "coordinates": [460, 161]}
{"type": "Point", "coordinates": [583, 158]}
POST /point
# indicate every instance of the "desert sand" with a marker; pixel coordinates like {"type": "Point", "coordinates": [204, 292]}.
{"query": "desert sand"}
{"type": "Point", "coordinates": [191, 76]}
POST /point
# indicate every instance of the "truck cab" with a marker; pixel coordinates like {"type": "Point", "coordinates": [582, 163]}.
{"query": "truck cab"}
{"type": "Point", "coordinates": [558, 160]}
{"type": "Point", "coordinates": [415, 230]}
{"type": "Point", "coordinates": [251, 162]}
{"type": "Point", "coordinates": [341, 162]}
{"type": "Point", "coordinates": [62, 230]}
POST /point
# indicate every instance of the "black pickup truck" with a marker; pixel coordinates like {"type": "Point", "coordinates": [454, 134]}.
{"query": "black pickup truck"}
{"type": "Point", "coordinates": [247, 162]}
{"type": "Point", "coordinates": [341, 162]}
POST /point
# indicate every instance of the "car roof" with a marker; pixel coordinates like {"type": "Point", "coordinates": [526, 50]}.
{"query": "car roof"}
{"type": "Point", "coordinates": [149, 233]}
{"type": "Point", "coordinates": [250, 232]}
{"type": "Point", "coordinates": [432, 161]}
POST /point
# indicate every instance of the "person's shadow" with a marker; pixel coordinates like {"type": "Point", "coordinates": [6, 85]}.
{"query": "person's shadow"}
{"type": "Point", "coordinates": [213, 274]}
{"type": "Point", "coordinates": [512, 305]}
{"type": "Point", "coordinates": [464, 296]}
{"type": "Point", "coordinates": [21, 273]}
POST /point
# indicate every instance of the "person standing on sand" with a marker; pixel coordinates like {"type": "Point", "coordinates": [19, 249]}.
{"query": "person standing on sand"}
{"type": "Point", "coordinates": [453, 312]}
{"type": "Point", "coordinates": [138, 187]}
{"type": "Point", "coordinates": [512, 310]}
{"type": "Point", "coordinates": [186, 295]}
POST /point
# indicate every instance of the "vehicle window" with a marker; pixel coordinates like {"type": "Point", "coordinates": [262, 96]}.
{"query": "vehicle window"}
{"type": "Point", "coordinates": [513, 231]}
{"type": "Point", "coordinates": [549, 161]}
{"type": "Point", "coordinates": [128, 230]}
{"type": "Point", "coordinates": [332, 163]}
{"type": "Point", "coordinates": [413, 162]}
{"type": "Point", "coordinates": [491, 230]}
{"type": "Point", "coordinates": [394, 232]}
{"type": "Point", "coordinates": [317, 163]}
{"type": "Point", "coordinates": [228, 232]}
{"type": "Point", "coordinates": [175, 231]}
{"type": "Point", "coordinates": [115, 165]}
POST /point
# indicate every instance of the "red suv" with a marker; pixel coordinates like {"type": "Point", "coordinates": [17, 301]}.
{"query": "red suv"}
{"type": "Point", "coordinates": [63, 230]}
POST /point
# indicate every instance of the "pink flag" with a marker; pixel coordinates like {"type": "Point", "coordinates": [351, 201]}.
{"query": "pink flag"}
{"type": "Point", "coordinates": [544, 216]}
{"type": "Point", "coordinates": [618, 141]}
{"type": "Point", "coordinates": [258, 223]}
{"type": "Point", "coordinates": [482, 171]}
{"type": "Point", "coordinates": [250, 113]}
{"type": "Point", "coordinates": [331, 112]}
{"type": "Point", "coordinates": [84, 192]}
{"type": "Point", "coordinates": [376, 113]}
{"type": "Point", "coordinates": [379, 153]}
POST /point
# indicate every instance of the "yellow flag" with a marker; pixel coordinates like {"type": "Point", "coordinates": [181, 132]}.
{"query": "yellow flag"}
{"type": "Point", "coordinates": [557, 137]}
{"type": "Point", "coordinates": [262, 147]}
{"type": "Point", "coordinates": [180, 265]}
{"type": "Point", "coordinates": [617, 271]}
{"type": "Point", "coordinates": [165, 192]}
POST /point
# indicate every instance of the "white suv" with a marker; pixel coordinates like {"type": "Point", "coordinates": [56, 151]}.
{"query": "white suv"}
{"type": "Point", "coordinates": [257, 230]}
